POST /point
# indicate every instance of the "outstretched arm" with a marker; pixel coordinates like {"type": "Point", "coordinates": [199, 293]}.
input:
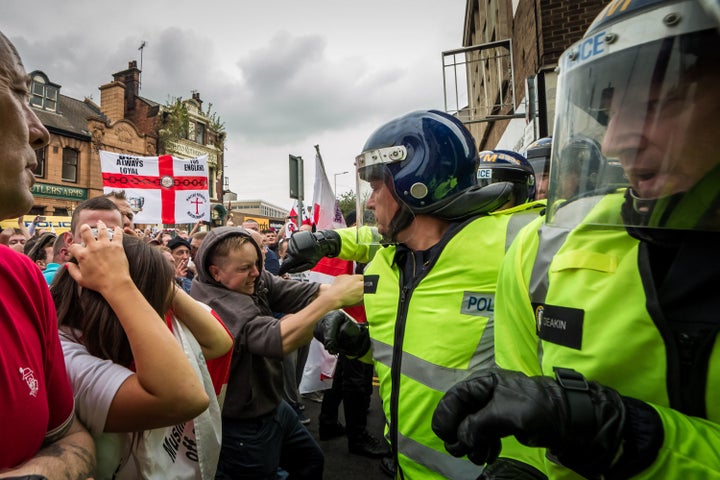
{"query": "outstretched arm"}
{"type": "Point", "coordinates": [297, 328]}
{"type": "Point", "coordinates": [195, 228]}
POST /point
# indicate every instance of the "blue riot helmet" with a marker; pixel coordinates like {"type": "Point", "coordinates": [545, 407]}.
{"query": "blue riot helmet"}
{"type": "Point", "coordinates": [642, 83]}
{"type": "Point", "coordinates": [507, 166]}
{"type": "Point", "coordinates": [538, 154]}
{"type": "Point", "coordinates": [428, 161]}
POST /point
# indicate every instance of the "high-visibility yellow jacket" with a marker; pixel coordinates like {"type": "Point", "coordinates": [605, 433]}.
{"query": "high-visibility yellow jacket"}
{"type": "Point", "coordinates": [584, 299]}
{"type": "Point", "coordinates": [431, 334]}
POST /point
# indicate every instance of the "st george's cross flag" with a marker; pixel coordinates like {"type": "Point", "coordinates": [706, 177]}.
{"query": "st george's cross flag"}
{"type": "Point", "coordinates": [162, 189]}
{"type": "Point", "coordinates": [320, 364]}
{"type": "Point", "coordinates": [291, 223]}
{"type": "Point", "coordinates": [326, 211]}
{"type": "Point", "coordinates": [327, 216]}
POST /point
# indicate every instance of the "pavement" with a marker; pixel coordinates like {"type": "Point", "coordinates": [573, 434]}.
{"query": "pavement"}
{"type": "Point", "coordinates": [339, 464]}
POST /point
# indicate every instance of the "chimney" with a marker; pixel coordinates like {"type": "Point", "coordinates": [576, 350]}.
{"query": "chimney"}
{"type": "Point", "coordinates": [131, 79]}
{"type": "Point", "coordinates": [117, 98]}
{"type": "Point", "coordinates": [196, 97]}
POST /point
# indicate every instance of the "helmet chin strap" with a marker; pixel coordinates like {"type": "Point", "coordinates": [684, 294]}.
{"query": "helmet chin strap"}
{"type": "Point", "coordinates": [400, 221]}
{"type": "Point", "coordinates": [643, 206]}
{"type": "Point", "coordinates": [636, 211]}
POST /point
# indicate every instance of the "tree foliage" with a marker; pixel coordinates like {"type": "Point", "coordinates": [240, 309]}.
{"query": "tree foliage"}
{"type": "Point", "coordinates": [216, 123]}
{"type": "Point", "coordinates": [347, 202]}
{"type": "Point", "coordinates": [176, 120]}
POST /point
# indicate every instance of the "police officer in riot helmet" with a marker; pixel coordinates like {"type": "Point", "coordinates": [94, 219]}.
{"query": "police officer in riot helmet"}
{"type": "Point", "coordinates": [435, 205]}
{"type": "Point", "coordinates": [538, 154]}
{"type": "Point", "coordinates": [508, 166]}
{"type": "Point", "coordinates": [606, 324]}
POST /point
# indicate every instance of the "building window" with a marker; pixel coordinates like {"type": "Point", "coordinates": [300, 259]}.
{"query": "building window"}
{"type": "Point", "coordinates": [43, 94]}
{"type": "Point", "coordinates": [70, 165]}
{"type": "Point", "coordinates": [211, 184]}
{"type": "Point", "coordinates": [200, 135]}
{"type": "Point", "coordinates": [41, 155]}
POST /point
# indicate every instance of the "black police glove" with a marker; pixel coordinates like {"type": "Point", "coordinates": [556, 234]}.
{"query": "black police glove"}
{"type": "Point", "coordinates": [511, 469]}
{"type": "Point", "coordinates": [305, 249]}
{"type": "Point", "coordinates": [341, 334]}
{"type": "Point", "coordinates": [583, 424]}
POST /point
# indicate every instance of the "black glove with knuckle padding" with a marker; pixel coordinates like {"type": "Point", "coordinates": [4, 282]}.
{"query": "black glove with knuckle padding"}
{"type": "Point", "coordinates": [341, 334]}
{"type": "Point", "coordinates": [588, 427]}
{"type": "Point", "coordinates": [305, 249]}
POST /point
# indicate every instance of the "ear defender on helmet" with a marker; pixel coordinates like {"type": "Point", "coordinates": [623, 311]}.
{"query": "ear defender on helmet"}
{"type": "Point", "coordinates": [507, 166]}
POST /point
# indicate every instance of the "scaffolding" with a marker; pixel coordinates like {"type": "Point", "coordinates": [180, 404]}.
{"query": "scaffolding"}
{"type": "Point", "coordinates": [479, 82]}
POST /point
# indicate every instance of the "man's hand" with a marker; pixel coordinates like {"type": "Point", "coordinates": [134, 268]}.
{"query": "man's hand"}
{"type": "Point", "coordinates": [181, 267]}
{"type": "Point", "coordinates": [341, 334]}
{"type": "Point", "coordinates": [582, 423]}
{"type": "Point", "coordinates": [305, 249]}
{"type": "Point", "coordinates": [97, 258]}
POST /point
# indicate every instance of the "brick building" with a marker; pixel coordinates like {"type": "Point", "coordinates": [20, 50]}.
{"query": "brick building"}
{"type": "Point", "coordinates": [506, 68]}
{"type": "Point", "coordinates": [196, 132]}
{"type": "Point", "coordinates": [69, 166]}
{"type": "Point", "coordinates": [68, 169]}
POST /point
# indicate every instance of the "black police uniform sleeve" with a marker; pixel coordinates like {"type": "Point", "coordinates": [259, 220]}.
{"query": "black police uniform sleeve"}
{"type": "Point", "coordinates": [341, 334]}
{"type": "Point", "coordinates": [588, 427]}
{"type": "Point", "coordinates": [305, 249]}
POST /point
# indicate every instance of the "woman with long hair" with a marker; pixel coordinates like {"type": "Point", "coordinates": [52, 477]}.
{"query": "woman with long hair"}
{"type": "Point", "coordinates": [131, 374]}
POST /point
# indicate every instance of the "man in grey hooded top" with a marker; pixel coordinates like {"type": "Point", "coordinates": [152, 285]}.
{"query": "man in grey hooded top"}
{"type": "Point", "coordinates": [261, 432]}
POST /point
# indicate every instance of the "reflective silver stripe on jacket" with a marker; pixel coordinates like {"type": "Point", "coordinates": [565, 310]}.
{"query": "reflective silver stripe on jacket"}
{"type": "Point", "coordinates": [435, 376]}
{"type": "Point", "coordinates": [567, 217]}
{"type": "Point", "coordinates": [444, 464]}
{"type": "Point", "coordinates": [551, 239]}
{"type": "Point", "coordinates": [516, 223]}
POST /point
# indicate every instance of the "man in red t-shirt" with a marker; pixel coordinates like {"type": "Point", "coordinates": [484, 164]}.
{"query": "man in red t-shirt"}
{"type": "Point", "coordinates": [40, 436]}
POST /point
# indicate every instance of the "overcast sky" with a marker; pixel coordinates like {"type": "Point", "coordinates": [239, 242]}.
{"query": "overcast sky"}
{"type": "Point", "coordinates": [284, 75]}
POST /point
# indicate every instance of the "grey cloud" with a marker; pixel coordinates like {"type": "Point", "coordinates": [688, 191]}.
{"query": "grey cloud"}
{"type": "Point", "coordinates": [293, 89]}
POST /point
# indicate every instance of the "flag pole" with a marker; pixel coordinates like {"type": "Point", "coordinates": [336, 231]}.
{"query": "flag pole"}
{"type": "Point", "coordinates": [322, 165]}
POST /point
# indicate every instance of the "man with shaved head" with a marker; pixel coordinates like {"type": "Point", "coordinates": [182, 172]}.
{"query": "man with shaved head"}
{"type": "Point", "coordinates": [41, 438]}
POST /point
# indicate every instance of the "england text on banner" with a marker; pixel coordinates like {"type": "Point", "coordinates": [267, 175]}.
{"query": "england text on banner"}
{"type": "Point", "coordinates": [162, 189]}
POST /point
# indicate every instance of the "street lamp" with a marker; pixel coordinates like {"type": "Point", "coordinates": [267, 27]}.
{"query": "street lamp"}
{"type": "Point", "coordinates": [336, 175]}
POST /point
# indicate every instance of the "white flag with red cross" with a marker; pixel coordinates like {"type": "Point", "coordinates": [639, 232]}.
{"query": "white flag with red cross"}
{"type": "Point", "coordinates": [326, 211]}
{"type": "Point", "coordinates": [160, 189]}
{"type": "Point", "coordinates": [320, 364]}
{"type": "Point", "coordinates": [291, 223]}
